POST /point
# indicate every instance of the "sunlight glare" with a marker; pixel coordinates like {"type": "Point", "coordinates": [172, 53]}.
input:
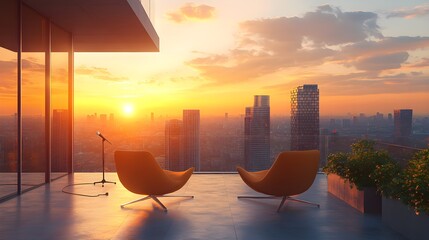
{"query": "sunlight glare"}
{"type": "Point", "coordinates": [128, 109]}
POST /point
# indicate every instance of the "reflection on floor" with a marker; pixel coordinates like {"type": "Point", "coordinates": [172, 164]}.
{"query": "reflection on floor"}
{"type": "Point", "coordinates": [8, 181]}
{"type": "Point", "coordinates": [214, 213]}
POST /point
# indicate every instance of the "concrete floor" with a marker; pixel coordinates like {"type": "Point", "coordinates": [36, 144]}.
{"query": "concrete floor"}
{"type": "Point", "coordinates": [214, 213]}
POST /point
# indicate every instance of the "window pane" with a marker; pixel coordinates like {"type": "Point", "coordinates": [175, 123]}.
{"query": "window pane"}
{"type": "Point", "coordinates": [8, 97]}
{"type": "Point", "coordinates": [61, 43]}
{"type": "Point", "coordinates": [33, 98]}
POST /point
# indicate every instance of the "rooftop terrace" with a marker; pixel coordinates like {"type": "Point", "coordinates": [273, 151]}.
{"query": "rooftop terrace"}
{"type": "Point", "coordinates": [214, 213]}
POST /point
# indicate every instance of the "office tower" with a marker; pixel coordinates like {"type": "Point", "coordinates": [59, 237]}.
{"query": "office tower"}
{"type": "Point", "coordinates": [347, 123]}
{"type": "Point", "coordinates": [103, 118]}
{"type": "Point", "coordinates": [191, 134]}
{"type": "Point", "coordinates": [60, 135]}
{"type": "Point", "coordinates": [174, 145]}
{"type": "Point", "coordinates": [402, 121]}
{"type": "Point", "coordinates": [257, 134]}
{"type": "Point", "coordinates": [390, 119]}
{"type": "Point", "coordinates": [152, 117]}
{"type": "Point", "coordinates": [111, 117]}
{"type": "Point", "coordinates": [305, 117]}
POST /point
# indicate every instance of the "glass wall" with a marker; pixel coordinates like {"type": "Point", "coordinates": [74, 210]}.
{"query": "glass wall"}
{"type": "Point", "coordinates": [34, 51]}
{"type": "Point", "coordinates": [8, 97]}
{"type": "Point", "coordinates": [35, 80]}
{"type": "Point", "coordinates": [61, 44]}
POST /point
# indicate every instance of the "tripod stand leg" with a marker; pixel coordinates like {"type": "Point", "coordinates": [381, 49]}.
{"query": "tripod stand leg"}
{"type": "Point", "coordinates": [103, 181]}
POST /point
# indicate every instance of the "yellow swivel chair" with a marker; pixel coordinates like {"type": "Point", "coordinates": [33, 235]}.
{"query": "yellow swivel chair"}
{"type": "Point", "coordinates": [140, 173]}
{"type": "Point", "coordinates": [292, 173]}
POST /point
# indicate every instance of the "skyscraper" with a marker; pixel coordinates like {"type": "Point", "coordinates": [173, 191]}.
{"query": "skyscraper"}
{"type": "Point", "coordinates": [403, 119]}
{"type": "Point", "coordinates": [305, 117]}
{"type": "Point", "coordinates": [191, 134]}
{"type": "Point", "coordinates": [257, 134]}
{"type": "Point", "coordinates": [174, 145]}
{"type": "Point", "coordinates": [60, 135]}
{"type": "Point", "coordinates": [182, 142]}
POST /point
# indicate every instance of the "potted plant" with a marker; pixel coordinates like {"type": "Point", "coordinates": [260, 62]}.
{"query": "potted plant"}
{"type": "Point", "coordinates": [406, 195]}
{"type": "Point", "coordinates": [349, 176]}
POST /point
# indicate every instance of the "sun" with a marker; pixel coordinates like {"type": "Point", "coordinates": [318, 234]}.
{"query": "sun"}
{"type": "Point", "coordinates": [128, 109]}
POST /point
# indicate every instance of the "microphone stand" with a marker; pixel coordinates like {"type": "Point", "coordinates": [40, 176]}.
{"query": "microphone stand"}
{"type": "Point", "coordinates": [103, 139]}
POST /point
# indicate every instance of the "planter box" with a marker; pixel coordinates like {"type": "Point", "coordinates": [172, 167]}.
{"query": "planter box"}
{"type": "Point", "coordinates": [366, 201]}
{"type": "Point", "coordinates": [402, 219]}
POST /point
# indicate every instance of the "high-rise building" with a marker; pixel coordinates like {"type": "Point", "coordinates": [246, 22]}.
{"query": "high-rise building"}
{"type": "Point", "coordinates": [174, 145]}
{"type": "Point", "coordinates": [402, 121]}
{"type": "Point", "coordinates": [305, 117]}
{"type": "Point", "coordinates": [182, 142]}
{"type": "Point", "coordinates": [60, 136]}
{"type": "Point", "coordinates": [191, 134]}
{"type": "Point", "coordinates": [257, 134]}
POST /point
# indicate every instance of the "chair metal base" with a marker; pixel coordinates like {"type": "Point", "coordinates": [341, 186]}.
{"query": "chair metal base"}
{"type": "Point", "coordinates": [155, 198]}
{"type": "Point", "coordinates": [283, 200]}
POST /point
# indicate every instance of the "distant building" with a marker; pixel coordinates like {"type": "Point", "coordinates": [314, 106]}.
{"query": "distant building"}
{"type": "Point", "coordinates": [103, 118]}
{"type": "Point", "coordinates": [174, 145]}
{"type": "Point", "coordinates": [257, 134]}
{"type": "Point", "coordinates": [390, 120]}
{"type": "Point", "coordinates": [191, 134]}
{"type": "Point", "coordinates": [182, 142]}
{"type": "Point", "coordinates": [347, 123]}
{"type": "Point", "coordinates": [403, 119]}
{"type": "Point", "coordinates": [305, 118]}
{"type": "Point", "coordinates": [60, 136]}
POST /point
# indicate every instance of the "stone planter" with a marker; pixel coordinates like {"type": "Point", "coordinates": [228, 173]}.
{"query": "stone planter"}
{"type": "Point", "coordinates": [402, 219]}
{"type": "Point", "coordinates": [366, 201]}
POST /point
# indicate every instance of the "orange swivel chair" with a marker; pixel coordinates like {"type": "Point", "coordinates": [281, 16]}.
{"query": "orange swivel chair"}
{"type": "Point", "coordinates": [292, 173]}
{"type": "Point", "coordinates": [140, 173]}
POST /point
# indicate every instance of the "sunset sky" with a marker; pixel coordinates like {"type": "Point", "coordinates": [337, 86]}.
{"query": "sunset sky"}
{"type": "Point", "coordinates": [366, 57]}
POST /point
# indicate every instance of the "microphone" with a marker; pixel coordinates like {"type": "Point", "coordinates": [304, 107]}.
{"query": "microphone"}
{"type": "Point", "coordinates": [101, 135]}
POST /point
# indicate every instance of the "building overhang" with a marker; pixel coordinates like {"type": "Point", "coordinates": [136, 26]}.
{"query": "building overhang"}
{"type": "Point", "coordinates": [102, 25]}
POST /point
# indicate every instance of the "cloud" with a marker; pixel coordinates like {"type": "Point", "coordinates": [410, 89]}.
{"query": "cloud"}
{"type": "Point", "coordinates": [384, 45]}
{"type": "Point", "coordinates": [382, 62]}
{"type": "Point", "coordinates": [417, 11]}
{"type": "Point", "coordinates": [33, 73]}
{"type": "Point", "coordinates": [273, 44]}
{"type": "Point", "coordinates": [8, 76]}
{"type": "Point", "coordinates": [326, 26]}
{"type": "Point", "coordinates": [32, 65]}
{"type": "Point", "coordinates": [192, 12]}
{"type": "Point", "coordinates": [422, 64]}
{"type": "Point", "coordinates": [99, 73]}
{"type": "Point", "coordinates": [354, 84]}
{"type": "Point", "coordinates": [327, 35]}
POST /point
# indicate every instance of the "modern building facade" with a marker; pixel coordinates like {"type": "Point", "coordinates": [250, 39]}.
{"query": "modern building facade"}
{"type": "Point", "coordinates": [191, 135]}
{"type": "Point", "coordinates": [182, 142]}
{"type": "Point", "coordinates": [60, 135]}
{"type": "Point", "coordinates": [305, 118]}
{"type": "Point", "coordinates": [257, 134]}
{"type": "Point", "coordinates": [174, 159]}
{"type": "Point", "coordinates": [403, 121]}
{"type": "Point", "coordinates": [38, 39]}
